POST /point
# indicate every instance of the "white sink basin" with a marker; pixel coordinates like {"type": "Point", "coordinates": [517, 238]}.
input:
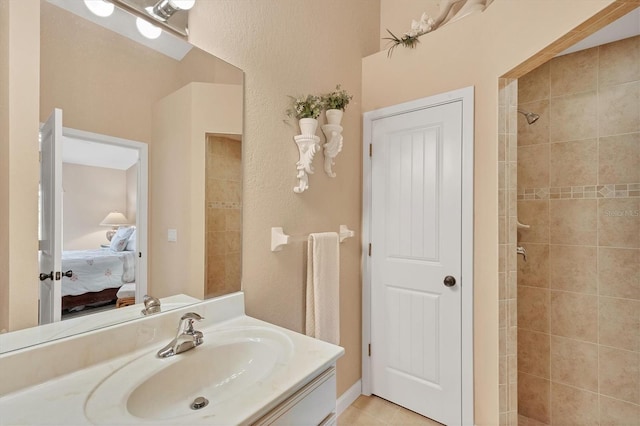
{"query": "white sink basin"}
{"type": "Point", "coordinates": [226, 366]}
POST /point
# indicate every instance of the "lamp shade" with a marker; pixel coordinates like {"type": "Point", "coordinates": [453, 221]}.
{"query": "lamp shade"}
{"type": "Point", "coordinates": [114, 219]}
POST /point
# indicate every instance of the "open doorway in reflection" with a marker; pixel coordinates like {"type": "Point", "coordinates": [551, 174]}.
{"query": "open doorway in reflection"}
{"type": "Point", "coordinates": [223, 218]}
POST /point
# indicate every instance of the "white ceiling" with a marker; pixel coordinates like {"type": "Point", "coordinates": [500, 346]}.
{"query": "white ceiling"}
{"type": "Point", "coordinates": [625, 27]}
{"type": "Point", "coordinates": [87, 153]}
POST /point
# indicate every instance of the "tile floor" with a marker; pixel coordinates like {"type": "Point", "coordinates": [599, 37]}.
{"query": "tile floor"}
{"type": "Point", "coordinates": [371, 410]}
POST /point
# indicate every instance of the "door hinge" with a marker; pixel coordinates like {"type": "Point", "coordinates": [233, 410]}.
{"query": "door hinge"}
{"type": "Point", "coordinates": [369, 349]}
{"type": "Point", "coordinates": [370, 150]}
{"type": "Point", "coordinates": [369, 249]}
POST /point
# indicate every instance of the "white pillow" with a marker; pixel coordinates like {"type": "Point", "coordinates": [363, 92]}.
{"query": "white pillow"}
{"type": "Point", "coordinates": [131, 243]}
{"type": "Point", "coordinates": [120, 239]}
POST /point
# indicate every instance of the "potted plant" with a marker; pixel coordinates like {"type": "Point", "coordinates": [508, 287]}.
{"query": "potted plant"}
{"type": "Point", "coordinates": [307, 110]}
{"type": "Point", "coordinates": [335, 103]}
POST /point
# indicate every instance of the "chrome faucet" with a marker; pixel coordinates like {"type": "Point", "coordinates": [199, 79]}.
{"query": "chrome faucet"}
{"type": "Point", "coordinates": [187, 338]}
{"type": "Point", "coordinates": [151, 305]}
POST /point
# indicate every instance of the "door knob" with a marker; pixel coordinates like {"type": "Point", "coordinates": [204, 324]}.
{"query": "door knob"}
{"type": "Point", "coordinates": [449, 281]}
{"type": "Point", "coordinates": [68, 274]}
{"type": "Point", "coordinates": [44, 277]}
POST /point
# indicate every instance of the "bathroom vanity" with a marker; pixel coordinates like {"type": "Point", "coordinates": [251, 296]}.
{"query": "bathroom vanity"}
{"type": "Point", "coordinates": [245, 372]}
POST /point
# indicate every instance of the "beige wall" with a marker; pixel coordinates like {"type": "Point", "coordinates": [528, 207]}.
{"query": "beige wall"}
{"type": "Point", "coordinates": [132, 192]}
{"type": "Point", "coordinates": [476, 51]}
{"type": "Point", "coordinates": [177, 169]}
{"type": "Point", "coordinates": [89, 194]}
{"type": "Point", "coordinates": [19, 163]}
{"type": "Point", "coordinates": [294, 47]}
{"type": "Point", "coordinates": [579, 189]}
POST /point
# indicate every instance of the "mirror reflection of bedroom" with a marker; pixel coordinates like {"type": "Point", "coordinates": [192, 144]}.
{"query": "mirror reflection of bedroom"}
{"type": "Point", "coordinates": [100, 184]}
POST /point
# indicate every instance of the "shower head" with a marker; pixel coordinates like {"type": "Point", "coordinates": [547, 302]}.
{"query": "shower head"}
{"type": "Point", "coordinates": [531, 117]}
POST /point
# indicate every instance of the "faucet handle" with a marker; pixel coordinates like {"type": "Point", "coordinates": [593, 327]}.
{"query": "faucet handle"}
{"type": "Point", "coordinates": [192, 315]}
{"type": "Point", "coordinates": [186, 322]}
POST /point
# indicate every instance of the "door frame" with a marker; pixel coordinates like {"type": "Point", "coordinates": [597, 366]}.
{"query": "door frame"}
{"type": "Point", "coordinates": [142, 197]}
{"type": "Point", "coordinates": [466, 96]}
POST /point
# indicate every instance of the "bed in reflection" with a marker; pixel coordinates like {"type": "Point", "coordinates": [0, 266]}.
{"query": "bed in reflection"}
{"type": "Point", "coordinates": [97, 275]}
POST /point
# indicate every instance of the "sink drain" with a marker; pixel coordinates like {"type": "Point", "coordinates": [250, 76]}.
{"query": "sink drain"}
{"type": "Point", "coordinates": [199, 402]}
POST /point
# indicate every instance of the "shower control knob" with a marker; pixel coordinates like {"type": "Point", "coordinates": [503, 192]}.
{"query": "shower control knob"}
{"type": "Point", "coordinates": [449, 281]}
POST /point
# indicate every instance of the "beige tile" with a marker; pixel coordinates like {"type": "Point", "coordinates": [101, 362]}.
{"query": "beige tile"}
{"type": "Point", "coordinates": [536, 214]}
{"type": "Point", "coordinates": [567, 308]}
{"type": "Point", "coordinates": [379, 408]}
{"type": "Point", "coordinates": [534, 397]}
{"type": "Point", "coordinates": [215, 243]}
{"type": "Point", "coordinates": [573, 163]}
{"type": "Point", "coordinates": [512, 340]}
{"type": "Point", "coordinates": [534, 272]}
{"type": "Point", "coordinates": [233, 271]}
{"type": "Point", "coordinates": [353, 416]}
{"type": "Point", "coordinates": [574, 73]}
{"type": "Point", "coordinates": [619, 374]}
{"type": "Point", "coordinates": [619, 222]}
{"type": "Point", "coordinates": [512, 369]}
{"type": "Point", "coordinates": [619, 159]}
{"type": "Point", "coordinates": [617, 413]}
{"type": "Point", "coordinates": [619, 109]}
{"type": "Point", "coordinates": [233, 218]}
{"type": "Point", "coordinates": [534, 85]}
{"type": "Point", "coordinates": [216, 220]}
{"type": "Point", "coordinates": [620, 61]}
{"type": "Point", "coordinates": [619, 272]}
{"type": "Point", "coordinates": [538, 132]}
{"type": "Point", "coordinates": [571, 406]}
{"type": "Point", "coordinates": [574, 363]}
{"type": "Point", "coordinates": [533, 353]}
{"type": "Point", "coordinates": [573, 222]}
{"type": "Point", "coordinates": [526, 421]}
{"type": "Point", "coordinates": [232, 241]}
{"type": "Point", "coordinates": [573, 268]}
{"type": "Point", "coordinates": [573, 117]}
{"type": "Point", "coordinates": [533, 309]}
{"type": "Point", "coordinates": [533, 166]}
{"type": "Point", "coordinates": [620, 323]}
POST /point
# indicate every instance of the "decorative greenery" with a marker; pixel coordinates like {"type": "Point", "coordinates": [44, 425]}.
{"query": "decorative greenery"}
{"type": "Point", "coordinates": [309, 106]}
{"type": "Point", "coordinates": [338, 99]}
{"type": "Point", "coordinates": [410, 39]}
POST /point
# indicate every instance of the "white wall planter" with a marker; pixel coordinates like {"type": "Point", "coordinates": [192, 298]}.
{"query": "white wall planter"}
{"type": "Point", "coordinates": [308, 145]}
{"type": "Point", "coordinates": [333, 146]}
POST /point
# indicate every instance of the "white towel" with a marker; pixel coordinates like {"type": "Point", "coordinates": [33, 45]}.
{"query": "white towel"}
{"type": "Point", "coordinates": [323, 287]}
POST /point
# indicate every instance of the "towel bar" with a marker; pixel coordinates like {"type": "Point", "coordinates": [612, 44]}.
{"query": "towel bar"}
{"type": "Point", "coordinates": [279, 239]}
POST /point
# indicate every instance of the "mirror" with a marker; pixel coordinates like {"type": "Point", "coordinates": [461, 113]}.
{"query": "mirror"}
{"type": "Point", "coordinates": [186, 106]}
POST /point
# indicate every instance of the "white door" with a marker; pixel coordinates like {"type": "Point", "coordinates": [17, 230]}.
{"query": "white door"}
{"type": "Point", "coordinates": [416, 202]}
{"type": "Point", "coordinates": [51, 220]}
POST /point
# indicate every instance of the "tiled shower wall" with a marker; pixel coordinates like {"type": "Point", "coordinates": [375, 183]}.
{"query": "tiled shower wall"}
{"type": "Point", "coordinates": [223, 217]}
{"type": "Point", "coordinates": [507, 200]}
{"type": "Point", "coordinates": [579, 190]}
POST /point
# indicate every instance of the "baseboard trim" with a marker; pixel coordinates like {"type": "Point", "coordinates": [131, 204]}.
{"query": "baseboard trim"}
{"type": "Point", "coordinates": [348, 398]}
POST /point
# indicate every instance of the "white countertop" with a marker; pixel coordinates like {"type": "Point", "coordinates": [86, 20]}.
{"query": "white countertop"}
{"type": "Point", "coordinates": [62, 400]}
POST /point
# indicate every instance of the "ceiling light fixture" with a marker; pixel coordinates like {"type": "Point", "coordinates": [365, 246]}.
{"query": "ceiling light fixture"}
{"type": "Point", "coordinates": [147, 29]}
{"type": "Point", "coordinates": [100, 7]}
{"type": "Point", "coordinates": [165, 8]}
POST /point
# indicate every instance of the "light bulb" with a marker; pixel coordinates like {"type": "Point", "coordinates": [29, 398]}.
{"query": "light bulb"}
{"type": "Point", "coordinates": [147, 29]}
{"type": "Point", "coordinates": [99, 7]}
{"type": "Point", "coordinates": [182, 4]}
